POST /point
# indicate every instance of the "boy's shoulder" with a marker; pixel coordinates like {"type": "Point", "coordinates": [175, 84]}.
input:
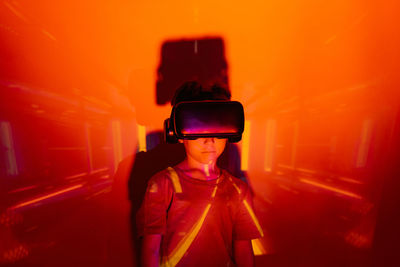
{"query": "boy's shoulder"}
{"type": "Point", "coordinates": [165, 177]}
{"type": "Point", "coordinates": [239, 185]}
{"type": "Point", "coordinates": [161, 177]}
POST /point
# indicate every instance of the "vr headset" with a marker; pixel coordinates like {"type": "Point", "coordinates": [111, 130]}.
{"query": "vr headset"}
{"type": "Point", "coordinates": [201, 119]}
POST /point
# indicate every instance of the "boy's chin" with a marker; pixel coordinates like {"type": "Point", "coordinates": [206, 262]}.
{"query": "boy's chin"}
{"type": "Point", "coordinates": [207, 160]}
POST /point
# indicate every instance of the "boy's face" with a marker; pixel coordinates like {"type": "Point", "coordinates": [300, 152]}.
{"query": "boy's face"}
{"type": "Point", "coordinates": [204, 150]}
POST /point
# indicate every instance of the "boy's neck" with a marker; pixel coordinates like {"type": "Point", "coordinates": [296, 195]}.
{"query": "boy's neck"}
{"type": "Point", "coordinates": [199, 170]}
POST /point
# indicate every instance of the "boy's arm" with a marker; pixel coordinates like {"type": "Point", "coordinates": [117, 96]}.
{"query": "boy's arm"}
{"type": "Point", "coordinates": [151, 250]}
{"type": "Point", "coordinates": [243, 253]}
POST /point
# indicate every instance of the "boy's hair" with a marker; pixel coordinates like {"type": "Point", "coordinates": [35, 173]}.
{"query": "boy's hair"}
{"type": "Point", "coordinates": [194, 91]}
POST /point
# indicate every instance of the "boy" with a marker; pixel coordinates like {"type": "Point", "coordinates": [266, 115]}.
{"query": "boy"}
{"type": "Point", "coordinates": [196, 214]}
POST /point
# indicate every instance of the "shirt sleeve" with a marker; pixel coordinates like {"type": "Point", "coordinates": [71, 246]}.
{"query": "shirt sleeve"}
{"type": "Point", "coordinates": [152, 215]}
{"type": "Point", "coordinates": [246, 224]}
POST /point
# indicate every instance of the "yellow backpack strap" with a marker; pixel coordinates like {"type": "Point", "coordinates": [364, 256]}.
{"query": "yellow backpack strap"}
{"type": "Point", "coordinates": [249, 209]}
{"type": "Point", "coordinates": [175, 180]}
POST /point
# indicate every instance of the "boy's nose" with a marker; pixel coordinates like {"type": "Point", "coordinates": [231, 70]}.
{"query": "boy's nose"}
{"type": "Point", "coordinates": [209, 140]}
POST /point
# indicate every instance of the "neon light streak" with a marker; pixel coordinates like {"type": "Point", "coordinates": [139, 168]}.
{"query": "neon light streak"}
{"type": "Point", "coordinates": [286, 166]}
{"type": "Point", "coordinates": [15, 11]}
{"type": "Point", "coordinates": [245, 146]}
{"type": "Point", "coordinates": [77, 175]}
{"type": "Point", "coordinates": [88, 148]}
{"type": "Point", "coordinates": [142, 138]}
{"type": "Point", "coordinates": [38, 199]}
{"type": "Point", "coordinates": [67, 148]}
{"type": "Point", "coordinates": [306, 170]}
{"type": "Point", "coordinates": [350, 180]}
{"type": "Point", "coordinates": [331, 188]}
{"type": "Point", "coordinates": [100, 170]}
{"type": "Point", "coordinates": [49, 35]}
{"type": "Point", "coordinates": [294, 146]}
{"type": "Point", "coordinates": [364, 143]}
{"type": "Point", "coordinates": [22, 189]}
{"type": "Point", "coordinates": [270, 145]}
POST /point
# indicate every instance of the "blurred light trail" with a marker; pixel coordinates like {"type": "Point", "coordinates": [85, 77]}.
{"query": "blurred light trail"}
{"type": "Point", "coordinates": [270, 145]}
{"type": "Point", "coordinates": [76, 175]}
{"type": "Point", "coordinates": [286, 166]}
{"type": "Point", "coordinates": [38, 199]}
{"type": "Point", "coordinates": [364, 143]}
{"type": "Point", "coordinates": [306, 170]}
{"type": "Point", "coordinates": [70, 148]}
{"type": "Point", "coordinates": [284, 187]}
{"type": "Point", "coordinates": [117, 142]}
{"type": "Point", "coordinates": [353, 181]}
{"type": "Point", "coordinates": [89, 147]}
{"type": "Point", "coordinates": [331, 188]}
{"type": "Point", "coordinates": [245, 146]}
{"type": "Point", "coordinates": [15, 11]}
{"type": "Point", "coordinates": [99, 170]}
{"type": "Point", "coordinates": [49, 35]}
{"type": "Point", "coordinates": [22, 189]}
{"type": "Point", "coordinates": [294, 146]}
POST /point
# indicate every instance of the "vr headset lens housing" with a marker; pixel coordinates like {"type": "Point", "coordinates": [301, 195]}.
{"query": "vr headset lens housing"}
{"type": "Point", "coordinates": [196, 119]}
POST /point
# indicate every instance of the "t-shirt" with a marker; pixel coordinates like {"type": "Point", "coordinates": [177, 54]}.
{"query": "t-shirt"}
{"type": "Point", "coordinates": [198, 219]}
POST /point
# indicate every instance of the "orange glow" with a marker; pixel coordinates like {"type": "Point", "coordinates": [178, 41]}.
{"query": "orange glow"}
{"type": "Point", "coordinates": [319, 82]}
{"type": "Point", "coordinates": [142, 138]}
{"type": "Point", "coordinates": [258, 247]}
{"type": "Point", "coordinates": [38, 199]}
{"type": "Point", "coordinates": [331, 188]}
{"type": "Point", "coordinates": [270, 145]}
